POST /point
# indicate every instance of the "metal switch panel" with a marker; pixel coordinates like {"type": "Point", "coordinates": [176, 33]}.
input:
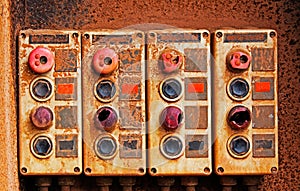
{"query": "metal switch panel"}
{"type": "Point", "coordinates": [50, 130]}
{"type": "Point", "coordinates": [245, 102]}
{"type": "Point", "coordinates": [114, 103]}
{"type": "Point", "coordinates": [179, 102]}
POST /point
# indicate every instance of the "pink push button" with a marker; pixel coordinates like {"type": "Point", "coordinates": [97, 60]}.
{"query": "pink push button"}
{"type": "Point", "coordinates": [240, 61]}
{"type": "Point", "coordinates": [171, 60]}
{"type": "Point", "coordinates": [41, 60]}
{"type": "Point", "coordinates": [105, 61]}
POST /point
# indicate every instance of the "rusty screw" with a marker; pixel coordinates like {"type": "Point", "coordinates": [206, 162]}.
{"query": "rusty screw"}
{"type": "Point", "coordinates": [42, 117]}
{"type": "Point", "coordinates": [228, 182]}
{"type": "Point", "coordinates": [43, 183]}
{"type": "Point", "coordinates": [127, 183]}
{"type": "Point", "coordinates": [165, 183]}
{"type": "Point", "coordinates": [103, 183]}
{"type": "Point", "coordinates": [66, 183]}
{"type": "Point", "coordinates": [42, 146]}
{"type": "Point", "coordinates": [189, 182]}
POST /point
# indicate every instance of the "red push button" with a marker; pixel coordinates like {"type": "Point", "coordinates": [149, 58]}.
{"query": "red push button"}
{"type": "Point", "coordinates": [41, 60]}
{"type": "Point", "coordinates": [171, 117]}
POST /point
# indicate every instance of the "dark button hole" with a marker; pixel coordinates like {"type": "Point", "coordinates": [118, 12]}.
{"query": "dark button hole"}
{"type": "Point", "coordinates": [240, 117]}
{"type": "Point", "coordinates": [107, 61]}
{"type": "Point", "coordinates": [243, 59]}
{"type": "Point", "coordinates": [103, 115]}
{"type": "Point", "coordinates": [43, 59]}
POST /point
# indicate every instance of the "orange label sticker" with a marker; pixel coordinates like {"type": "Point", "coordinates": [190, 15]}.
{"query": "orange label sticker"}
{"type": "Point", "coordinates": [262, 86]}
{"type": "Point", "coordinates": [130, 88]}
{"type": "Point", "coordinates": [65, 88]}
{"type": "Point", "coordinates": [195, 87]}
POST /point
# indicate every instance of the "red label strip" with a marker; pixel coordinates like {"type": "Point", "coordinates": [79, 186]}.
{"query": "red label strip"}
{"type": "Point", "coordinates": [195, 87]}
{"type": "Point", "coordinates": [262, 86]}
{"type": "Point", "coordinates": [65, 88]}
{"type": "Point", "coordinates": [130, 88]}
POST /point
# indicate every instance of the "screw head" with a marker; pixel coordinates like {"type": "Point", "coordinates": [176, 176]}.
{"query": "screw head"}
{"type": "Point", "coordinates": [42, 88]}
{"type": "Point", "coordinates": [171, 88]}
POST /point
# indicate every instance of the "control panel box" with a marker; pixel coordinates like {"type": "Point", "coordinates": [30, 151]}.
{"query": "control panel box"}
{"type": "Point", "coordinates": [50, 130]}
{"type": "Point", "coordinates": [114, 103]}
{"type": "Point", "coordinates": [245, 102]}
{"type": "Point", "coordinates": [179, 102]}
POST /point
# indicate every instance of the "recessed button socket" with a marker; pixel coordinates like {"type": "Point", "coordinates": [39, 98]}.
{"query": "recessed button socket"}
{"type": "Point", "coordinates": [41, 89]}
{"type": "Point", "coordinates": [106, 146]}
{"type": "Point", "coordinates": [172, 146]}
{"type": "Point", "coordinates": [239, 146]}
{"type": "Point", "coordinates": [171, 89]}
{"type": "Point", "coordinates": [41, 146]}
{"type": "Point", "coordinates": [105, 90]}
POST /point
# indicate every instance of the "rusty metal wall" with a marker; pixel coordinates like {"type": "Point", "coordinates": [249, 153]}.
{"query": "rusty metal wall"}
{"type": "Point", "coordinates": [283, 16]}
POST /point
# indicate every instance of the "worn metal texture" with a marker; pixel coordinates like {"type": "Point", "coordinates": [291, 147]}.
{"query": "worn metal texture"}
{"type": "Point", "coordinates": [280, 15]}
{"type": "Point", "coordinates": [117, 148]}
{"type": "Point", "coordinates": [260, 94]}
{"type": "Point", "coordinates": [50, 103]}
{"type": "Point", "coordinates": [193, 155]}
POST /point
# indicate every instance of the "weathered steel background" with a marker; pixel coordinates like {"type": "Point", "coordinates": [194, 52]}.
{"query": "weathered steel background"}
{"type": "Point", "coordinates": [281, 15]}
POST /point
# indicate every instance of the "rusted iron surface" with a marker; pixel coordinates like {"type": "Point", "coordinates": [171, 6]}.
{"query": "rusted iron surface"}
{"type": "Point", "coordinates": [8, 122]}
